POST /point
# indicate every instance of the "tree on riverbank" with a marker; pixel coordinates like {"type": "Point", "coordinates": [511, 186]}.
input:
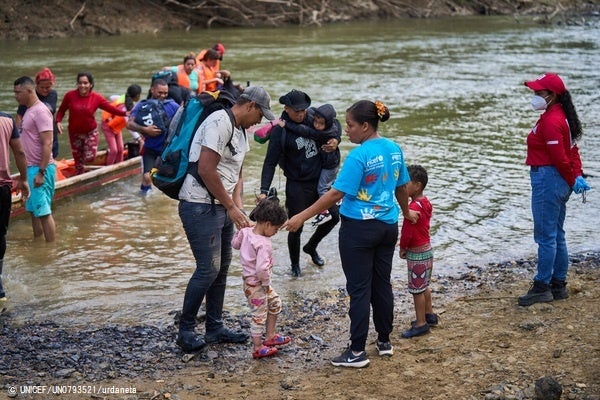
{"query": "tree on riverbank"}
{"type": "Point", "coordinates": [31, 19]}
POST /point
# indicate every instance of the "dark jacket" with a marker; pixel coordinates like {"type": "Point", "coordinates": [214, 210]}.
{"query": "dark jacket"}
{"type": "Point", "coordinates": [298, 156]}
{"type": "Point", "coordinates": [327, 112]}
{"type": "Point", "coordinates": [333, 129]}
{"type": "Point", "coordinates": [332, 160]}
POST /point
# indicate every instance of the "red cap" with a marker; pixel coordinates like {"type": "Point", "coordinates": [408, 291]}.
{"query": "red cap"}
{"type": "Point", "coordinates": [548, 81]}
{"type": "Point", "coordinates": [45, 75]}
{"type": "Point", "coordinates": [220, 48]}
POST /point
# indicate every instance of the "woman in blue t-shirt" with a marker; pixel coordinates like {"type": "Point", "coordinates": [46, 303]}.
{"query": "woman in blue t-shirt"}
{"type": "Point", "coordinates": [371, 184]}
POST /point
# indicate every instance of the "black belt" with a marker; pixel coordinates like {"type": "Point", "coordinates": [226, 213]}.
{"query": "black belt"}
{"type": "Point", "coordinates": [534, 168]}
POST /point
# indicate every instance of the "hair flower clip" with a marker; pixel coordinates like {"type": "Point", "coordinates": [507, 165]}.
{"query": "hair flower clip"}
{"type": "Point", "coordinates": [380, 108]}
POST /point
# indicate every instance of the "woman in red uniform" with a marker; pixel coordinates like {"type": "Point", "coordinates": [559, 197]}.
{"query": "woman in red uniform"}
{"type": "Point", "coordinates": [82, 104]}
{"type": "Point", "coordinates": [553, 156]}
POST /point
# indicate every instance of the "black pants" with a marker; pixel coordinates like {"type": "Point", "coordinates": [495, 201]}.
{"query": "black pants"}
{"type": "Point", "coordinates": [299, 196]}
{"type": "Point", "coordinates": [367, 251]}
{"type": "Point", "coordinates": [5, 205]}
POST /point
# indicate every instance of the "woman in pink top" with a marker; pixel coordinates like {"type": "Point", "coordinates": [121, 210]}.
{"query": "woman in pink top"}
{"type": "Point", "coordinates": [82, 104]}
{"type": "Point", "coordinates": [256, 256]}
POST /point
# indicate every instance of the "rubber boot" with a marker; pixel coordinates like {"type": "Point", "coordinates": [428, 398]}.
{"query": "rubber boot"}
{"type": "Point", "coordinates": [296, 270]}
{"type": "Point", "coordinates": [314, 256]}
{"type": "Point", "coordinates": [559, 289]}
{"type": "Point", "coordinates": [538, 293]}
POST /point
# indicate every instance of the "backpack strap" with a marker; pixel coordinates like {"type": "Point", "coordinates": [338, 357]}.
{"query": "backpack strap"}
{"type": "Point", "coordinates": [193, 166]}
{"type": "Point", "coordinates": [232, 118]}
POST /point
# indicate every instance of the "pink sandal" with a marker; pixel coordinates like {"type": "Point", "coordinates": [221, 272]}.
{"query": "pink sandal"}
{"type": "Point", "coordinates": [277, 340]}
{"type": "Point", "coordinates": [264, 351]}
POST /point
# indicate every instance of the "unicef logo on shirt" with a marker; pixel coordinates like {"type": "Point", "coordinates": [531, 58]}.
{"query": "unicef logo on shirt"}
{"type": "Point", "coordinates": [378, 160]}
{"type": "Point", "coordinates": [397, 157]}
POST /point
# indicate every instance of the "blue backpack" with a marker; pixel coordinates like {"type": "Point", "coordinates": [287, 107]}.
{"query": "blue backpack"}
{"type": "Point", "coordinates": [152, 112]}
{"type": "Point", "coordinates": [173, 165]}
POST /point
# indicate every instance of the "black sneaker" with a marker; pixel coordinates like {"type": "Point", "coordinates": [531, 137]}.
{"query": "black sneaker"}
{"type": "Point", "coordinates": [189, 341]}
{"type": "Point", "coordinates": [225, 335]}
{"type": "Point", "coordinates": [431, 319]}
{"type": "Point", "coordinates": [384, 348]}
{"type": "Point", "coordinates": [538, 293]}
{"type": "Point", "coordinates": [348, 359]}
{"type": "Point", "coordinates": [559, 289]}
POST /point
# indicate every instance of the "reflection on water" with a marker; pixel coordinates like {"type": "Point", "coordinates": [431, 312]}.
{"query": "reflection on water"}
{"type": "Point", "coordinates": [458, 107]}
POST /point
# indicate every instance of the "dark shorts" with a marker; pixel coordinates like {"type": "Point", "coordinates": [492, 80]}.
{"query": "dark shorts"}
{"type": "Point", "coordinates": [149, 157]}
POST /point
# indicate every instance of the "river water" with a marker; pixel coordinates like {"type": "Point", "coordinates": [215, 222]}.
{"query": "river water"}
{"type": "Point", "coordinates": [458, 105]}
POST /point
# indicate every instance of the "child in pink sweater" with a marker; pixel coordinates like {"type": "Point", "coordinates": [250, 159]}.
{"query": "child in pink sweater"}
{"type": "Point", "coordinates": [256, 257]}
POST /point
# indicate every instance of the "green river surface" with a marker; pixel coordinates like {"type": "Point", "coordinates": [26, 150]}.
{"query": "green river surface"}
{"type": "Point", "coordinates": [458, 105]}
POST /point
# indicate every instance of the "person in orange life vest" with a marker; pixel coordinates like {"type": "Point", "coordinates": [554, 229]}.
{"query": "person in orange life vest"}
{"type": "Point", "coordinates": [187, 74]}
{"type": "Point", "coordinates": [112, 125]}
{"type": "Point", "coordinates": [82, 104]}
{"type": "Point", "coordinates": [209, 76]}
{"type": "Point", "coordinates": [219, 48]}
{"type": "Point", "coordinates": [232, 87]}
{"type": "Point", "coordinates": [44, 82]}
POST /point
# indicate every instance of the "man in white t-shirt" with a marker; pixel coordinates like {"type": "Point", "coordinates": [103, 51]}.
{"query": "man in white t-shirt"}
{"type": "Point", "coordinates": [209, 207]}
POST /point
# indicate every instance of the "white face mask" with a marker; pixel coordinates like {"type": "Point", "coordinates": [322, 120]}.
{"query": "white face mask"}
{"type": "Point", "coordinates": [539, 103]}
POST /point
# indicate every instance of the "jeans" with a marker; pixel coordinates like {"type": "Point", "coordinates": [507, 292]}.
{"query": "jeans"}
{"type": "Point", "coordinates": [367, 251]}
{"type": "Point", "coordinates": [326, 180]}
{"type": "Point", "coordinates": [209, 231]}
{"type": "Point", "coordinates": [549, 196]}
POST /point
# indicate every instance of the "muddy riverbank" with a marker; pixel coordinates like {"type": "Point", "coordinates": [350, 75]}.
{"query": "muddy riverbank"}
{"type": "Point", "coordinates": [485, 347]}
{"type": "Point", "coordinates": [25, 20]}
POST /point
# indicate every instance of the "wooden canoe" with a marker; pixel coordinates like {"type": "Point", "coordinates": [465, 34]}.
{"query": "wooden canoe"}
{"type": "Point", "coordinates": [97, 174]}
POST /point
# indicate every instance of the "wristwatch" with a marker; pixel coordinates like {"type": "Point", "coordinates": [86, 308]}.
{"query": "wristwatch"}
{"type": "Point", "coordinates": [42, 171]}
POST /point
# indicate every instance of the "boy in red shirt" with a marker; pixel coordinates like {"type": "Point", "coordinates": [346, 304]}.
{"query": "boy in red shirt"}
{"type": "Point", "coordinates": [415, 247]}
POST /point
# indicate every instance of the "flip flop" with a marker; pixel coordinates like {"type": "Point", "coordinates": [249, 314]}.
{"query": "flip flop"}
{"type": "Point", "coordinates": [277, 340]}
{"type": "Point", "coordinates": [264, 351]}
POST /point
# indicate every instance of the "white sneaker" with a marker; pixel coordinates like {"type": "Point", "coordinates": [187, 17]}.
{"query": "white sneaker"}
{"type": "Point", "coordinates": [321, 218]}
